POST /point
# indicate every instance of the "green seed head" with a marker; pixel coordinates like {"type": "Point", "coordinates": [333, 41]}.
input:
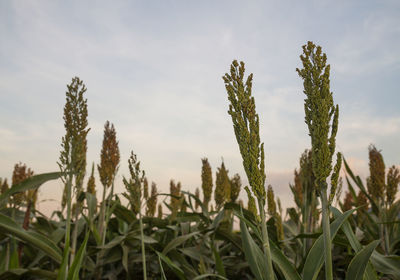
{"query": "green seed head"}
{"type": "Point", "coordinates": [236, 185]}
{"type": "Point", "coordinates": [74, 143]}
{"type": "Point", "coordinates": [206, 181]}
{"type": "Point", "coordinates": [376, 180]}
{"type": "Point", "coordinates": [271, 201]}
{"type": "Point", "coordinates": [251, 203]}
{"type": "Point", "coordinates": [91, 185]}
{"type": "Point", "coordinates": [109, 158]}
{"type": "Point", "coordinates": [321, 114]}
{"type": "Point", "coordinates": [151, 205]}
{"type": "Point", "coordinates": [222, 187]}
{"type": "Point", "coordinates": [246, 125]}
{"type": "Point", "coordinates": [393, 180]}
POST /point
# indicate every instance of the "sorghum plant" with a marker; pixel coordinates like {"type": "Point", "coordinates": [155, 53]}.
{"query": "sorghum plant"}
{"type": "Point", "coordinates": [321, 117]}
{"type": "Point", "coordinates": [72, 161]}
{"type": "Point", "coordinates": [206, 181]}
{"type": "Point", "coordinates": [393, 181]}
{"type": "Point", "coordinates": [109, 161]}
{"type": "Point", "coordinates": [222, 192]}
{"type": "Point", "coordinates": [246, 125]}
{"type": "Point", "coordinates": [151, 204]}
{"type": "Point", "coordinates": [197, 194]}
{"type": "Point", "coordinates": [236, 185]}
{"type": "Point", "coordinates": [135, 187]}
{"type": "Point", "coordinates": [91, 184]}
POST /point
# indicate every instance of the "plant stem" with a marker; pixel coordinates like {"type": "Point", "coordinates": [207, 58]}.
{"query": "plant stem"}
{"type": "Point", "coordinates": [102, 213]}
{"type": "Point", "coordinates": [305, 212]}
{"type": "Point", "coordinates": [68, 223]}
{"type": "Point", "coordinates": [267, 251]}
{"type": "Point", "coordinates": [101, 229]}
{"type": "Point", "coordinates": [327, 234]}
{"type": "Point", "coordinates": [107, 214]}
{"type": "Point", "coordinates": [143, 248]}
{"type": "Point", "coordinates": [384, 228]}
{"type": "Point", "coordinates": [74, 233]}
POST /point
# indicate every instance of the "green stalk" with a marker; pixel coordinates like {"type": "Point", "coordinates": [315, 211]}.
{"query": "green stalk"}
{"type": "Point", "coordinates": [267, 250]}
{"type": "Point", "coordinates": [327, 234]}
{"type": "Point", "coordinates": [305, 213]}
{"type": "Point", "coordinates": [384, 228]}
{"type": "Point", "coordinates": [107, 214]}
{"type": "Point", "coordinates": [102, 212]}
{"type": "Point", "coordinates": [74, 235]}
{"type": "Point", "coordinates": [143, 247]}
{"type": "Point", "coordinates": [101, 229]}
{"type": "Point", "coordinates": [68, 224]}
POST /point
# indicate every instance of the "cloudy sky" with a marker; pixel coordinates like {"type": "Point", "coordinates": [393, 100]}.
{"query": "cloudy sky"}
{"type": "Point", "coordinates": [154, 68]}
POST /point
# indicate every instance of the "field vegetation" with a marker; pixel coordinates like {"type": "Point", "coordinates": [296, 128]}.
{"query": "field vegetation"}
{"type": "Point", "coordinates": [208, 234]}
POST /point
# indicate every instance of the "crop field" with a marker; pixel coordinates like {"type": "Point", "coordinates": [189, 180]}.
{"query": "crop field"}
{"type": "Point", "coordinates": [209, 234]}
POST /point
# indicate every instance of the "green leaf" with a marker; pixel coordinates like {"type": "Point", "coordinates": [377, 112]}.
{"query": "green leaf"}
{"type": "Point", "coordinates": [32, 238]}
{"type": "Point", "coordinates": [359, 184]}
{"type": "Point", "coordinates": [163, 277]}
{"type": "Point", "coordinates": [73, 272]}
{"type": "Point", "coordinates": [219, 266]}
{"type": "Point", "coordinates": [253, 253]}
{"type": "Point", "coordinates": [358, 264]}
{"type": "Point", "coordinates": [315, 258]}
{"type": "Point", "coordinates": [178, 241]}
{"type": "Point", "coordinates": [22, 273]}
{"type": "Point", "coordinates": [62, 272]}
{"type": "Point", "coordinates": [288, 270]}
{"type": "Point", "coordinates": [386, 264]}
{"type": "Point", "coordinates": [146, 239]}
{"type": "Point", "coordinates": [33, 182]}
{"type": "Point", "coordinates": [370, 274]}
{"type": "Point", "coordinates": [173, 266]}
{"type": "Point", "coordinates": [203, 276]}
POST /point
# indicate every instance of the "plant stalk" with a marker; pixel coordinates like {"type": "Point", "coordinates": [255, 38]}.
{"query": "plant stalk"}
{"type": "Point", "coordinates": [327, 234]}
{"type": "Point", "coordinates": [101, 229]}
{"type": "Point", "coordinates": [266, 247]}
{"type": "Point", "coordinates": [68, 224]}
{"type": "Point", "coordinates": [143, 247]}
{"type": "Point", "coordinates": [74, 233]}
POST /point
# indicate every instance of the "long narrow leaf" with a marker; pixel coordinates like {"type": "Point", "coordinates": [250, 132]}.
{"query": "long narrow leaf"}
{"type": "Point", "coordinates": [178, 241]}
{"type": "Point", "coordinates": [370, 273]}
{"type": "Point", "coordinates": [315, 258]}
{"type": "Point", "coordinates": [32, 238]}
{"type": "Point", "coordinates": [31, 183]}
{"type": "Point", "coordinates": [359, 263]}
{"type": "Point", "coordinates": [73, 273]}
{"type": "Point", "coordinates": [253, 253]}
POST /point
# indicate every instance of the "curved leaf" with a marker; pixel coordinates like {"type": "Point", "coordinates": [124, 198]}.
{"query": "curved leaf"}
{"type": "Point", "coordinates": [315, 258]}
{"type": "Point", "coordinates": [33, 238]}
{"type": "Point", "coordinates": [253, 253]}
{"type": "Point", "coordinates": [31, 183]}
{"type": "Point", "coordinates": [178, 241]}
{"type": "Point", "coordinates": [359, 263]}
{"type": "Point", "coordinates": [73, 272]}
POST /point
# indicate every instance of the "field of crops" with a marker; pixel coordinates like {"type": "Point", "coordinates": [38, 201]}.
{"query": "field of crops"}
{"type": "Point", "coordinates": [209, 234]}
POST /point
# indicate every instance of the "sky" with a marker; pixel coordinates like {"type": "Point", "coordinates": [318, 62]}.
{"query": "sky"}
{"type": "Point", "coordinates": [154, 69]}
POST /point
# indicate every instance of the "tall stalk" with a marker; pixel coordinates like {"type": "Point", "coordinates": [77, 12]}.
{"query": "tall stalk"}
{"type": "Point", "coordinates": [68, 221]}
{"type": "Point", "coordinates": [109, 161]}
{"type": "Point", "coordinates": [327, 235]}
{"type": "Point", "coordinates": [321, 117]}
{"type": "Point", "coordinates": [266, 247]}
{"type": "Point", "coordinates": [134, 194]}
{"type": "Point", "coordinates": [72, 161]}
{"type": "Point", "coordinates": [246, 125]}
{"type": "Point", "coordinates": [143, 247]}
